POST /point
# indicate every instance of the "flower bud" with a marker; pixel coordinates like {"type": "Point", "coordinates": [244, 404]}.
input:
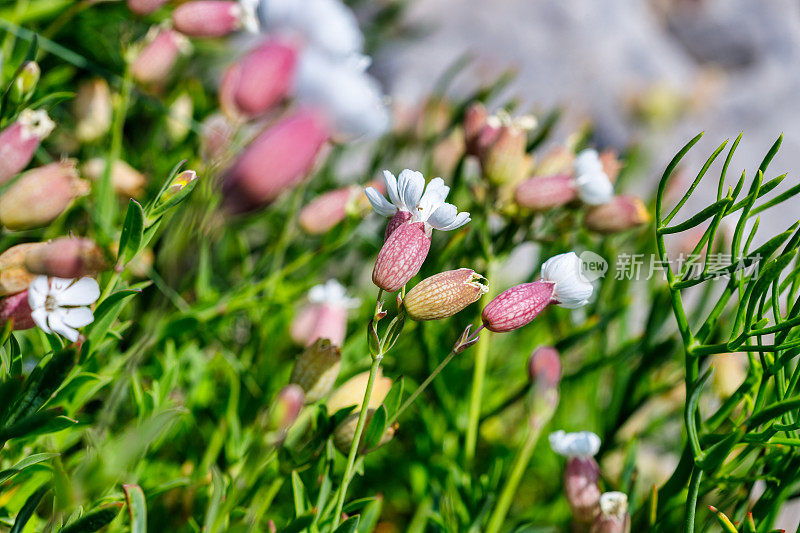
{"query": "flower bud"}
{"type": "Point", "coordinates": [276, 161]}
{"type": "Point", "coordinates": [316, 369]}
{"type": "Point", "coordinates": [544, 367]}
{"type": "Point", "coordinates": [351, 393]}
{"type": "Point", "coordinates": [558, 160]}
{"type": "Point", "coordinates": [401, 256]}
{"type": "Point", "coordinates": [327, 210]}
{"type": "Point", "coordinates": [17, 308]}
{"type": "Point", "coordinates": [286, 408]}
{"type": "Point", "coordinates": [145, 7]}
{"type": "Point", "coordinates": [506, 160]}
{"type": "Point", "coordinates": [581, 489]}
{"type": "Point", "coordinates": [40, 195]}
{"type": "Point", "coordinates": [622, 213]}
{"type": "Point", "coordinates": [261, 79]}
{"type": "Point", "coordinates": [345, 432]}
{"type": "Point", "coordinates": [517, 306]}
{"type": "Point", "coordinates": [325, 317]}
{"type": "Point", "coordinates": [207, 18]}
{"type": "Point", "coordinates": [397, 220]}
{"type": "Point", "coordinates": [444, 294]}
{"type": "Point", "coordinates": [93, 110]}
{"type": "Point", "coordinates": [610, 164]}
{"type": "Point", "coordinates": [546, 192]}
{"type": "Point", "coordinates": [25, 82]}
{"type": "Point", "coordinates": [475, 121]}
{"type": "Point", "coordinates": [126, 180]}
{"type": "Point", "coordinates": [154, 63]}
{"type": "Point", "coordinates": [66, 257]}
{"type": "Point", "coordinates": [177, 191]}
{"type": "Point", "coordinates": [613, 516]}
{"type": "Point", "coordinates": [19, 141]}
{"type": "Point", "coordinates": [14, 276]}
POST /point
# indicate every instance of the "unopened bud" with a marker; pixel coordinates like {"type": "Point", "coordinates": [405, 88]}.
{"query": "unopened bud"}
{"type": "Point", "coordinates": [40, 195]}
{"type": "Point", "coordinates": [126, 180]}
{"type": "Point", "coordinates": [517, 306]}
{"type": "Point", "coordinates": [444, 294]}
{"type": "Point", "coordinates": [544, 367]}
{"type": "Point", "coordinates": [177, 191]}
{"type": "Point", "coordinates": [474, 123]}
{"type": "Point", "coordinates": [581, 488]}
{"type": "Point", "coordinates": [17, 308]}
{"type": "Point", "coordinates": [207, 18]}
{"type": "Point", "coordinates": [401, 256]}
{"type": "Point", "coordinates": [327, 210]}
{"type": "Point", "coordinates": [93, 110]}
{"type": "Point", "coordinates": [286, 408]}
{"type": "Point", "coordinates": [14, 276]}
{"type": "Point", "coordinates": [558, 160]}
{"type": "Point", "coordinates": [25, 82]}
{"type": "Point", "coordinates": [316, 369]}
{"type": "Point", "coordinates": [541, 193]}
{"type": "Point", "coordinates": [506, 160]}
{"type": "Point", "coordinates": [613, 516]}
{"type": "Point", "coordinates": [153, 65]}
{"type": "Point", "coordinates": [145, 7]}
{"type": "Point", "coordinates": [19, 141]}
{"type": "Point", "coordinates": [67, 257]}
{"type": "Point", "coordinates": [622, 213]}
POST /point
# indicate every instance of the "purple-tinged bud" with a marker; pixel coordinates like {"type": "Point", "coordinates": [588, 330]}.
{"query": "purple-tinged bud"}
{"type": "Point", "coordinates": [622, 213]}
{"type": "Point", "coordinates": [155, 62]}
{"type": "Point", "coordinates": [444, 294]}
{"type": "Point", "coordinates": [397, 220]}
{"type": "Point", "coordinates": [517, 306]}
{"type": "Point", "coordinates": [17, 308]}
{"type": "Point", "coordinates": [316, 370]}
{"type": "Point", "coordinates": [126, 180]}
{"type": "Point", "coordinates": [613, 516]}
{"type": "Point", "coordinates": [506, 160]}
{"type": "Point", "coordinates": [66, 257]}
{"type": "Point", "coordinates": [286, 408]}
{"type": "Point", "coordinates": [145, 7]}
{"type": "Point", "coordinates": [544, 367]}
{"type": "Point", "coordinates": [401, 256]}
{"type": "Point", "coordinates": [19, 141]}
{"type": "Point", "coordinates": [14, 276]}
{"type": "Point", "coordinates": [40, 195]}
{"type": "Point", "coordinates": [475, 120]}
{"type": "Point", "coordinates": [207, 18]}
{"type": "Point", "coordinates": [276, 161]}
{"type": "Point", "coordinates": [327, 210]}
{"type": "Point", "coordinates": [540, 193]}
{"type": "Point", "coordinates": [93, 110]}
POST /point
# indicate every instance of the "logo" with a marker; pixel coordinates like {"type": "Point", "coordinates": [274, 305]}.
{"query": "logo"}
{"type": "Point", "coordinates": [593, 266]}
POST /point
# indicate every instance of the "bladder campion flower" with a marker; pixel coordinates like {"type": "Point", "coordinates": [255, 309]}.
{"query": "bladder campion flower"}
{"type": "Point", "coordinates": [613, 516]}
{"type": "Point", "coordinates": [594, 185]}
{"type": "Point", "coordinates": [581, 473]}
{"type": "Point", "coordinates": [60, 305]}
{"type": "Point", "coordinates": [325, 316]}
{"type": "Point", "coordinates": [19, 141]}
{"type": "Point", "coordinates": [444, 294]}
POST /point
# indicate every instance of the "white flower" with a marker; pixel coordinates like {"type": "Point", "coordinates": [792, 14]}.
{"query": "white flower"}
{"type": "Point", "coordinates": [332, 292]}
{"type": "Point", "coordinates": [594, 186]}
{"type": "Point", "coordinates": [571, 289]}
{"type": "Point", "coordinates": [249, 15]}
{"type": "Point", "coordinates": [35, 124]}
{"type": "Point", "coordinates": [614, 503]}
{"type": "Point", "coordinates": [406, 194]}
{"type": "Point", "coordinates": [60, 305]}
{"type": "Point", "coordinates": [580, 444]}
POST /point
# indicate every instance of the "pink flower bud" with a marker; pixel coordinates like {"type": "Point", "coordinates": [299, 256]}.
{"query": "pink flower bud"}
{"type": "Point", "coordinates": [544, 367]}
{"type": "Point", "coordinates": [67, 257]}
{"type": "Point", "coordinates": [17, 308]}
{"type": "Point", "coordinates": [444, 294]}
{"type": "Point", "coordinates": [622, 213]}
{"type": "Point", "coordinates": [126, 180]}
{"type": "Point", "coordinates": [613, 516]}
{"type": "Point", "coordinates": [546, 192]}
{"type": "Point", "coordinates": [517, 306]}
{"type": "Point", "coordinates": [145, 7]}
{"type": "Point", "coordinates": [316, 370]}
{"type": "Point", "coordinates": [93, 110]}
{"type": "Point", "coordinates": [325, 317]}
{"type": "Point", "coordinates": [474, 123]}
{"type": "Point", "coordinates": [276, 161]}
{"type": "Point", "coordinates": [207, 18]}
{"type": "Point", "coordinates": [580, 488]}
{"type": "Point", "coordinates": [14, 276]}
{"type": "Point", "coordinates": [260, 80]}
{"type": "Point", "coordinates": [397, 220]}
{"type": "Point", "coordinates": [286, 408]}
{"type": "Point", "coordinates": [327, 210]}
{"type": "Point", "coordinates": [506, 160]}
{"type": "Point", "coordinates": [19, 141]}
{"type": "Point", "coordinates": [401, 257]}
{"type": "Point", "coordinates": [154, 63]}
{"type": "Point", "coordinates": [40, 195]}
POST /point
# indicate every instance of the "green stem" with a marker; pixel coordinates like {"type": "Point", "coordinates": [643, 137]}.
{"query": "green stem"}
{"type": "Point", "coordinates": [520, 464]}
{"type": "Point", "coordinates": [351, 457]}
{"type": "Point", "coordinates": [422, 387]}
{"type": "Point", "coordinates": [691, 500]}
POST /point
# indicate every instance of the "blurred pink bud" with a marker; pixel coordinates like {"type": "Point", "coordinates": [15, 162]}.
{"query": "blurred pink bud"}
{"type": "Point", "coordinates": [580, 487]}
{"type": "Point", "coordinates": [215, 138]}
{"type": "Point", "coordinates": [286, 407]}
{"type": "Point", "coordinates": [444, 294]}
{"type": "Point", "coordinates": [16, 308]}
{"type": "Point", "coordinates": [325, 317]}
{"type": "Point", "coordinates": [126, 180]}
{"type": "Point", "coordinates": [474, 123]}
{"type": "Point", "coordinates": [93, 110]}
{"type": "Point", "coordinates": [331, 323]}
{"type": "Point", "coordinates": [327, 210]}
{"type": "Point", "coordinates": [207, 18]}
{"type": "Point", "coordinates": [622, 213]}
{"type": "Point", "coordinates": [154, 63]}
{"type": "Point", "coordinates": [19, 141]}
{"type": "Point", "coordinates": [260, 80]}
{"type": "Point", "coordinates": [145, 7]}
{"type": "Point", "coordinates": [67, 257]}
{"type": "Point", "coordinates": [276, 161]}
{"type": "Point", "coordinates": [613, 516]}
{"type": "Point", "coordinates": [544, 367]}
{"type": "Point", "coordinates": [397, 220]}
{"type": "Point", "coordinates": [546, 192]}
{"type": "Point", "coordinates": [40, 195]}
{"type": "Point", "coordinates": [517, 306]}
{"type": "Point", "coordinates": [401, 256]}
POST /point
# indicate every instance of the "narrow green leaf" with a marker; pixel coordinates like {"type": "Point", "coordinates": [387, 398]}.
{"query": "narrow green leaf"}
{"type": "Point", "coordinates": [94, 521]}
{"type": "Point", "coordinates": [132, 232]}
{"type": "Point", "coordinates": [43, 383]}
{"type": "Point", "coordinates": [375, 429]}
{"type": "Point", "coordinates": [137, 508]}
{"type": "Point", "coordinates": [28, 508]}
{"type": "Point", "coordinates": [299, 494]}
{"type": "Point", "coordinates": [106, 313]}
{"type": "Point", "coordinates": [348, 526]}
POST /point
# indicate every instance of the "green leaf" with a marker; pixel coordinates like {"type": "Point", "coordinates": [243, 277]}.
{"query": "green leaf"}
{"type": "Point", "coordinates": [25, 463]}
{"type": "Point", "coordinates": [348, 526]}
{"type": "Point", "coordinates": [370, 515]}
{"type": "Point", "coordinates": [375, 429]}
{"type": "Point", "coordinates": [394, 397]}
{"type": "Point", "coordinates": [137, 508]}
{"type": "Point", "coordinates": [95, 520]}
{"type": "Point", "coordinates": [130, 240]}
{"type": "Point", "coordinates": [41, 423]}
{"type": "Point", "coordinates": [299, 493]}
{"type": "Point", "coordinates": [28, 508]}
{"type": "Point", "coordinates": [215, 502]}
{"type": "Point", "coordinates": [106, 313]}
{"type": "Point", "coordinates": [300, 523]}
{"type": "Point", "coordinates": [42, 384]}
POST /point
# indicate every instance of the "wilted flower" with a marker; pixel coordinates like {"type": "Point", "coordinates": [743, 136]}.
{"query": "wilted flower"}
{"type": "Point", "coordinates": [621, 213]}
{"type": "Point", "coordinates": [350, 394]}
{"type": "Point", "coordinates": [93, 110]}
{"type": "Point", "coordinates": [144, 7]}
{"type": "Point", "coordinates": [66, 257]}
{"type": "Point", "coordinates": [154, 62]}
{"type": "Point", "coordinates": [126, 180]}
{"type": "Point", "coordinates": [207, 18]}
{"type": "Point", "coordinates": [14, 274]}
{"type": "Point", "coordinates": [594, 186]}
{"type": "Point", "coordinates": [40, 195]}
{"type": "Point", "coordinates": [60, 305]}
{"type": "Point", "coordinates": [613, 516]}
{"type": "Point", "coordinates": [444, 294]}
{"type": "Point", "coordinates": [16, 308]}
{"type": "Point", "coordinates": [581, 474]}
{"type": "Point", "coordinates": [19, 141]}
{"type": "Point", "coordinates": [325, 316]}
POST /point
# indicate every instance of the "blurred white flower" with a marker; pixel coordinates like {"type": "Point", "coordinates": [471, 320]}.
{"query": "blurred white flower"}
{"type": "Point", "coordinates": [594, 186]}
{"type": "Point", "coordinates": [571, 289]}
{"type": "Point", "coordinates": [614, 503]}
{"type": "Point", "coordinates": [580, 444]}
{"type": "Point", "coordinates": [60, 305]}
{"type": "Point", "coordinates": [332, 292]}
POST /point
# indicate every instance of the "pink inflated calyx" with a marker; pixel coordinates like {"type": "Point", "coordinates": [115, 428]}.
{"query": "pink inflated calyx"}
{"type": "Point", "coordinates": [154, 63]}
{"type": "Point", "coordinates": [207, 18]}
{"type": "Point", "coordinates": [398, 219]}
{"type": "Point", "coordinates": [16, 308]}
{"type": "Point", "coordinates": [326, 211]}
{"type": "Point", "coordinates": [581, 488]}
{"type": "Point", "coordinates": [546, 192]}
{"type": "Point", "coordinates": [263, 78]}
{"type": "Point", "coordinates": [401, 256]}
{"type": "Point", "coordinates": [19, 141]}
{"type": "Point", "coordinates": [517, 306]}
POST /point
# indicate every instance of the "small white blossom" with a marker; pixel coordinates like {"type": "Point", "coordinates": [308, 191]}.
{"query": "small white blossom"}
{"type": "Point", "coordinates": [249, 16]}
{"type": "Point", "coordinates": [332, 292]}
{"type": "Point", "coordinates": [35, 124]}
{"type": "Point", "coordinates": [614, 503]}
{"type": "Point", "coordinates": [594, 186]}
{"type": "Point", "coordinates": [580, 444]}
{"type": "Point", "coordinates": [60, 305]}
{"type": "Point", "coordinates": [571, 290]}
{"type": "Point", "coordinates": [425, 204]}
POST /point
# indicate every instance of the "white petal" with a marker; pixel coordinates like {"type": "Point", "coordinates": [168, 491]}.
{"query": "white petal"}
{"type": "Point", "coordinates": [56, 323]}
{"type": "Point", "coordinates": [410, 185]}
{"type": "Point", "coordinates": [572, 289]}
{"type": "Point", "coordinates": [39, 316]}
{"type": "Point", "coordinates": [77, 317]}
{"type": "Point", "coordinates": [85, 291]}
{"type": "Point", "coordinates": [391, 188]}
{"type": "Point", "coordinates": [434, 196]}
{"type": "Point", "coordinates": [580, 444]}
{"type": "Point", "coordinates": [587, 162]}
{"type": "Point", "coordinates": [443, 216]}
{"type": "Point", "coordinates": [60, 284]}
{"type": "Point", "coordinates": [595, 188]}
{"type": "Point", "coordinates": [461, 219]}
{"type": "Point", "coordinates": [37, 292]}
{"type": "Point", "coordinates": [316, 294]}
{"type": "Point", "coordinates": [436, 186]}
{"type": "Point", "coordinates": [614, 504]}
{"type": "Point", "coordinates": [379, 203]}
